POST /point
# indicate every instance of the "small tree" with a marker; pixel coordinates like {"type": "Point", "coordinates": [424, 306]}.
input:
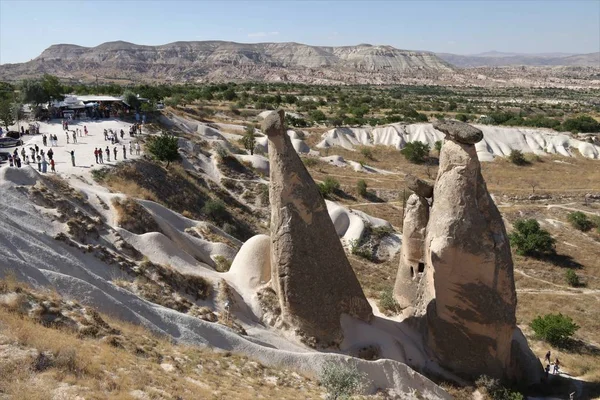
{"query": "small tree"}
{"type": "Point", "coordinates": [6, 113]}
{"type": "Point", "coordinates": [572, 278]}
{"type": "Point", "coordinates": [131, 99]}
{"type": "Point", "coordinates": [516, 157]}
{"type": "Point", "coordinates": [329, 186]}
{"type": "Point", "coordinates": [163, 147]}
{"type": "Point", "coordinates": [249, 139]}
{"type": "Point", "coordinates": [556, 329]}
{"type": "Point", "coordinates": [341, 382]}
{"type": "Point", "coordinates": [366, 153]}
{"type": "Point", "coordinates": [415, 152]}
{"type": "Point", "coordinates": [580, 221]}
{"type": "Point", "coordinates": [215, 210]}
{"type": "Point", "coordinates": [361, 187]}
{"type": "Point", "coordinates": [438, 146]}
{"type": "Point", "coordinates": [531, 240]}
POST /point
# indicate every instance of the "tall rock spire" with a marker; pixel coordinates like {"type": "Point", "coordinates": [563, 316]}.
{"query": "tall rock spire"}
{"type": "Point", "coordinates": [313, 279]}
{"type": "Point", "coordinates": [468, 290]}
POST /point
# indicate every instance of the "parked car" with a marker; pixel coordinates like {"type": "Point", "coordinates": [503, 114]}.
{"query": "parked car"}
{"type": "Point", "coordinates": [10, 142]}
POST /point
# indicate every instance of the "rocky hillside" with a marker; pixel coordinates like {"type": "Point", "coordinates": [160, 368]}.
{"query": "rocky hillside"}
{"type": "Point", "coordinates": [218, 60]}
{"type": "Point", "coordinates": [496, 59]}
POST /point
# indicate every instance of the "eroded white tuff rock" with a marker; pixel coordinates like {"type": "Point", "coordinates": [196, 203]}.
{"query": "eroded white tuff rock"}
{"type": "Point", "coordinates": [468, 291]}
{"type": "Point", "coordinates": [310, 273]}
{"type": "Point", "coordinates": [412, 257]}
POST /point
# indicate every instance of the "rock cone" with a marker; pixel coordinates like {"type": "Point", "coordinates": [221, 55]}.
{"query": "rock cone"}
{"type": "Point", "coordinates": [313, 279]}
{"type": "Point", "coordinates": [468, 293]}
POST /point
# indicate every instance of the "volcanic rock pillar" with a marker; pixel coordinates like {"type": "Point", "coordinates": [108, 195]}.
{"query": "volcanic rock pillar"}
{"type": "Point", "coordinates": [472, 300]}
{"type": "Point", "coordinates": [310, 272]}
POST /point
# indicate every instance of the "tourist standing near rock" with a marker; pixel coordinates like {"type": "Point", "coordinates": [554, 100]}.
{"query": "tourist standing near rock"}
{"type": "Point", "coordinates": [310, 273]}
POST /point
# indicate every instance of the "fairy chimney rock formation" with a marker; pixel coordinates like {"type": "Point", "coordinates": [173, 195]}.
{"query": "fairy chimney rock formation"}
{"type": "Point", "coordinates": [468, 293]}
{"type": "Point", "coordinates": [419, 186]}
{"type": "Point", "coordinates": [310, 273]}
{"type": "Point", "coordinates": [412, 260]}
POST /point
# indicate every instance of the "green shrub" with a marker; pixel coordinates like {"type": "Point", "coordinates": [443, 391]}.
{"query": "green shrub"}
{"type": "Point", "coordinates": [516, 157]}
{"type": "Point", "coordinates": [222, 264]}
{"type": "Point", "coordinates": [357, 248]}
{"type": "Point", "coordinates": [310, 162]}
{"type": "Point", "coordinates": [415, 152]}
{"type": "Point", "coordinates": [366, 153]}
{"type": "Point", "coordinates": [496, 391]}
{"type": "Point", "coordinates": [583, 123]}
{"type": "Point", "coordinates": [340, 381]}
{"type": "Point", "coordinates": [361, 187]}
{"type": "Point", "coordinates": [572, 278]}
{"type": "Point", "coordinates": [596, 222]}
{"type": "Point", "coordinates": [329, 186]}
{"type": "Point", "coordinates": [438, 146]}
{"type": "Point", "coordinates": [556, 329]}
{"type": "Point", "coordinates": [387, 301]}
{"type": "Point", "coordinates": [531, 240]}
{"type": "Point", "coordinates": [215, 210]}
{"type": "Point", "coordinates": [580, 221]}
{"type": "Point", "coordinates": [221, 151]}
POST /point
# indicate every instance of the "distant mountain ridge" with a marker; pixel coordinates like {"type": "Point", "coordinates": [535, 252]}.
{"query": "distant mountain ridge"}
{"type": "Point", "coordinates": [214, 60]}
{"type": "Point", "coordinates": [499, 59]}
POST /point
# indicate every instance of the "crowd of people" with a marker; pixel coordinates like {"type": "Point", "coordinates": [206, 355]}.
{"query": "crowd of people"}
{"type": "Point", "coordinates": [44, 159]}
{"type": "Point", "coordinates": [555, 367]}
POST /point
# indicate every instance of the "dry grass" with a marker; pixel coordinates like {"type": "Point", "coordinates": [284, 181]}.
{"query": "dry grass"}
{"type": "Point", "coordinates": [134, 362]}
{"type": "Point", "coordinates": [133, 217]}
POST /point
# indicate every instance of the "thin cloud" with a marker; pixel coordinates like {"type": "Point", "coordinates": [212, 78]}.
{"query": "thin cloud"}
{"type": "Point", "coordinates": [263, 34]}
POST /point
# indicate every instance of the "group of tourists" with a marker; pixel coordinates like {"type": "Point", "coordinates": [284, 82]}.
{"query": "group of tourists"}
{"type": "Point", "coordinates": [53, 140]}
{"type": "Point", "coordinates": [37, 156]}
{"type": "Point", "coordinates": [556, 366]}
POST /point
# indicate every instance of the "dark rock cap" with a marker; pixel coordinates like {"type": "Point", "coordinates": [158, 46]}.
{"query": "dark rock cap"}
{"type": "Point", "coordinates": [273, 124]}
{"type": "Point", "coordinates": [459, 131]}
{"type": "Point", "coordinates": [419, 186]}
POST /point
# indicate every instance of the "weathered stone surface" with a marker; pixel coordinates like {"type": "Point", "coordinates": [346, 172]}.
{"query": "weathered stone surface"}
{"type": "Point", "coordinates": [412, 260]}
{"type": "Point", "coordinates": [313, 279]}
{"type": "Point", "coordinates": [419, 186]}
{"type": "Point", "coordinates": [468, 291]}
{"type": "Point", "coordinates": [459, 131]}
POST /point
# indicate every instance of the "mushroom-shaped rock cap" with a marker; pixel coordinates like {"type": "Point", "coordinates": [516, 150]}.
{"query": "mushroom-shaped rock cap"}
{"type": "Point", "coordinates": [459, 131]}
{"type": "Point", "coordinates": [419, 186]}
{"type": "Point", "coordinates": [274, 123]}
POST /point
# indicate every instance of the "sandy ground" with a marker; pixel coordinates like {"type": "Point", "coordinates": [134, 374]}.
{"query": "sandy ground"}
{"type": "Point", "coordinates": [84, 148]}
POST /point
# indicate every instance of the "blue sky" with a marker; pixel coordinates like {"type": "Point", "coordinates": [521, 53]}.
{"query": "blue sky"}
{"type": "Point", "coordinates": [462, 27]}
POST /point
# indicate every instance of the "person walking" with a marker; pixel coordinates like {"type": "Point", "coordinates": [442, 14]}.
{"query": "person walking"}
{"type": "Point", "coordinates": [72, 157]}
{"type": "Point", "coordinates": [137, 149]}
{"type": "Point", "coordinates": [96, 154]}
{"type": "Point", "coordinates": [85, 131]}
{"type": "Point", "coordinates": [44, 166]}
{"type": "Point", "coordinates": [37, 149]}
{"type": "Point", "coordinates": [105, 134]}
{"type": "Point", "coordinates": [45, 140]}
{"type": "Point", "coordinates": [39, 160]}
{"type": "Point", "coordinates": [67, 137]}
{"type": "Point", "coordinates": [107, 154]}
{"type": "Point", "coordinates": [547, 359]}
{"type": "Point", "coordinates": [18, 161]}
{"type": "Point", "coordinates": [122, 134]}
{"type": "Point", "coordinates": [10, 160]}
{"type": "Point", "coordinates": [100, 156]}
{"type": "Point", "coordinates": [74, 137]}
{"type": "Point", "coordinates": [115, 152]}
{"type": "Point", "coordinates": [124, 152]}
{"type": "Point", "coordinates": [42, 153]}
{"type": "Point", "coordinates": [130, 148]}
{"type": "Point", "coordinates": [23, 154]}
{"type": "Point", "coordinates": [52, 166]}
{"type": "Point", "coordinates": [50, 154]}
{"type": "Point", "coordinates": [556, 366]}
